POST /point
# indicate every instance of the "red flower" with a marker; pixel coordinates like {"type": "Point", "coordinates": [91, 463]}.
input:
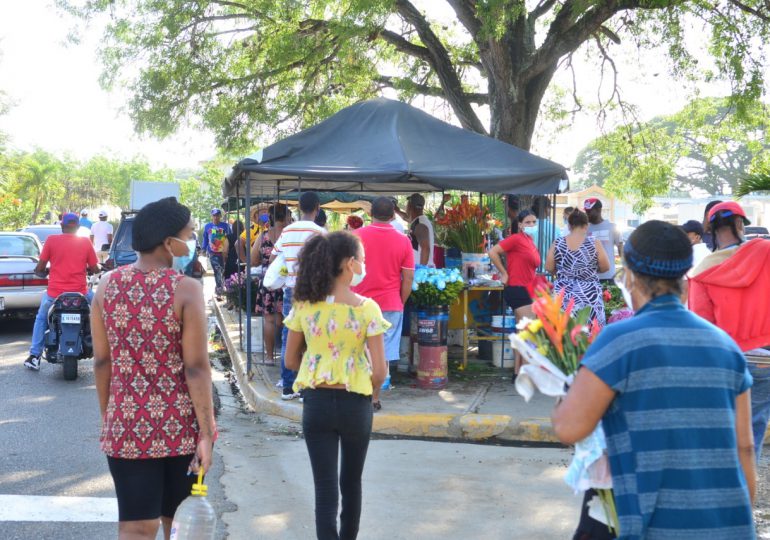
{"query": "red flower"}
{"type": "Point", "coordinates": [607, 295]}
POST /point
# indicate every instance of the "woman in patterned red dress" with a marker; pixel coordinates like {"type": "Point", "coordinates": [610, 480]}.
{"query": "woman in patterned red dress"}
{"type": "Point", "coordinates": [152, 372]}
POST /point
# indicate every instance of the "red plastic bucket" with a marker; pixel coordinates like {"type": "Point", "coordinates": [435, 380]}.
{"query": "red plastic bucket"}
{"type": "Point", "coordinates": [432, 367]}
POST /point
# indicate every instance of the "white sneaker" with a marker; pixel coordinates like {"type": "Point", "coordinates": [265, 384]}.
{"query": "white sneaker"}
{"type": "Point", "coordinates": [32, 362]}
{"type": "Point", "coordinates": [288, 394]}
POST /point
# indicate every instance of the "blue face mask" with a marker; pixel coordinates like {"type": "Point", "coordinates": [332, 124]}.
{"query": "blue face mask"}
{"type": "Point", "coordinates": [180, 263]}
{"type": "Point", "coordinates": [532, 231]}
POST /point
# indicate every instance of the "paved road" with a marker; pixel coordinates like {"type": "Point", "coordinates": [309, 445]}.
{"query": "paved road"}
{"type": "Point", "coordinates": [49, 430]}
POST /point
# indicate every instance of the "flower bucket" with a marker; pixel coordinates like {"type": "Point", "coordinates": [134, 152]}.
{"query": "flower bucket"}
{"type": "Point", "coordinates": [257, 339]}
{"type": "Point", "coordinates": [432, 331]}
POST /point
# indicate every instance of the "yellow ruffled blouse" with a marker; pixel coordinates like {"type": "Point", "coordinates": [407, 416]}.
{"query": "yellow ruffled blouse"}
{"type": "Point", "coordinates": [335, 335]}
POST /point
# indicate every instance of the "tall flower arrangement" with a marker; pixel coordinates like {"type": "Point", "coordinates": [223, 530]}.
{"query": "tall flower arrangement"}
{"type": "Point", "coordinates": [554, 344]}
{"type": "Point", "coordinates": [235, 290]}
{"type": "Point", "coordinates": [465, 225]}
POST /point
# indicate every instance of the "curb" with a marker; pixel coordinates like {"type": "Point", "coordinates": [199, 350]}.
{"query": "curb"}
{"type": "Point", "coordinates": [260, 394]}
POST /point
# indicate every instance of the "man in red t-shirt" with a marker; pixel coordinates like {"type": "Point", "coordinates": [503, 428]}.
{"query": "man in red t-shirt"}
{"type": "Point", "coordinates": [70, 256]}
{"type": "Point", "coordinates": [390, 271]}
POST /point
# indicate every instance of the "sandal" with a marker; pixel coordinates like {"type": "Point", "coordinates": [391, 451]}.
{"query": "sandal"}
{"type": "Point", "coordinates": [376, 405]}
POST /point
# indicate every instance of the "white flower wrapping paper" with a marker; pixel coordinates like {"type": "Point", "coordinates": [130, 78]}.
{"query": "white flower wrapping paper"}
{"type": "Point", "coordinates": [589, 467]}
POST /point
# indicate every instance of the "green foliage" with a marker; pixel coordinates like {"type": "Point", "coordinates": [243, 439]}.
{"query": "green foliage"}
{"type": "Point", "coordinates": [428, 294]}
{"type": "Point", "coordinates": [708, 145]}
{"type": "Point", "coordinates": [759, 182]}
{"type": "Point", "coordinates": [254, 70]}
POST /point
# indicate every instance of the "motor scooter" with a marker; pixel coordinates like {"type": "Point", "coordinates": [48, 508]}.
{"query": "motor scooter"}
{"type": "Point", "coordinates": [68, 338]}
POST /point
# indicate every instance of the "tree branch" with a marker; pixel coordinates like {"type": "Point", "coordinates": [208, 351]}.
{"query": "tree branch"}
{"type": "Point", "coordinates": [541, 9]}
{"type": "Point", "coordinates": [404, 45]}
{"type": "Point", "coordinates": [442, 65]}
{"type": "Point", "coordinates": [748, 9]}
{"type": "Point", "coordinates": [212, 18]}
{"type": "Point", "coordinates": [427, 90]}
{"type": "Point", "coordinates": [466, 14]}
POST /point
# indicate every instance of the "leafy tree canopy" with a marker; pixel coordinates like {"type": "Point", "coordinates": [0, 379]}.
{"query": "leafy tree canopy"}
{"type": "Point", "coordinates": [706, 146]}
{"type": "Point", "coordinates": [253, 69]}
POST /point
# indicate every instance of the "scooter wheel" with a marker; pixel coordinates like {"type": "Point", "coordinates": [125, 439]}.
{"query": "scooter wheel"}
{"type": "Point", "coordinates": [70, 368]}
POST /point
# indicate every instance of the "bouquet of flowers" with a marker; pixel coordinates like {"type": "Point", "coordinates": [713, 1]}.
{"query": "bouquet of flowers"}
{"type": "Point", "coordinates": [553, 345]}
{"type": "Point", "coordinates": [465, 225]}
{"type": "Point", "coordinates": [436, 287]}
{"type": "Point", "coordinates": [235, 290]}
{"type": "Point", "coordinates": [614, 305]}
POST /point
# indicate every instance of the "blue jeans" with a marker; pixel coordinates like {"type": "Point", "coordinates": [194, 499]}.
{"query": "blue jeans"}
{"type": "Point", "coordinates": [760, 405]}
{"type": "Point", "coordinates": [218, 267]}
{"type": "Point", "coordinates": [287, 375]}
{"type": "Point", "coordinates": [393, 334]}
{"type": "Point", "coordinates": [41, 322]}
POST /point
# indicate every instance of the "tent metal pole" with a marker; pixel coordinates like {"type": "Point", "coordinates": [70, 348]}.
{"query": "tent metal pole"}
{"type": "Point", "coordinates": [247, 250]}
{"type": "Point", "coordinates": [240, 318]}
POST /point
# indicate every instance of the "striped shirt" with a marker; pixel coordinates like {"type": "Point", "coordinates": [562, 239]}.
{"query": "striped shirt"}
{"type": "Point", "coordinates": [292, 238]}
{"type": "Point", "coordinates": [670, 430]}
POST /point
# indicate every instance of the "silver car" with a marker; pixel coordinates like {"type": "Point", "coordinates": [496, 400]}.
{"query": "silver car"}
{"type": "Point", "coordinates": [20, 289]}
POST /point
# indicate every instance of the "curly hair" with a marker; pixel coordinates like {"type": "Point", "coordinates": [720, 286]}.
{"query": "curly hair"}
{"type": "Point", "coordinates": [320, 262]}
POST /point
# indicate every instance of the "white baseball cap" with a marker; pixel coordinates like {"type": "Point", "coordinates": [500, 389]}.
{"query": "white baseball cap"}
{"type": "Point", "coordinates": [84, 212]}
{"type": "Point", "coordinates": [102, 213]}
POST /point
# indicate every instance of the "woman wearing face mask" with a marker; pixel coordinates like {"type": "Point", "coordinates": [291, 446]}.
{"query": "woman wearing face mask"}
{"type": "Point", "coordinates": [731, 288]}
{"type": "Point", "coordinates": [522, 260]}
{"type": "Point", "coordinates": [671, 392]}
{"type": "Point", "coordinates": [152, 372]}
{"type": "Point", "coordinates": [336, 343]}
{"type": "Point", "coordinates": [575, 259]}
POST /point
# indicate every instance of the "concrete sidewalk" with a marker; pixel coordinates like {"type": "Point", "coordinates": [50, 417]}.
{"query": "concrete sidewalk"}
{"type": "Point", "coordinates": [478, 404]}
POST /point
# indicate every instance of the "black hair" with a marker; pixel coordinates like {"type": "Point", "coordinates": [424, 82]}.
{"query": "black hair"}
{"type": "Point", "coordinates": [524, 214]}
{"type": "Point", "coordinates": [309, 202]}
{"type": "Point", "coordinates": [568, 210]}
{"type": "Point", "coordinates": [156, 221]}
{"type": "Point", "coordinates": [721, 221]}
{"type": "Point", "coordinates": [277, 212]}
{"type": "Point", "coordinates": [383, 209]}
{"type": "Point", "coordinates": [513, 203]}
{"type": "Point", "coordinates": [320, 262]}
{"type": "Point", "coordinates": [540, 206]}
{"type": "Point", "coordinates": [577, 219]}
{"type": "Point", "coordinates": [238, 228]}
{"type": "Point", "coordinates": [320, 218]}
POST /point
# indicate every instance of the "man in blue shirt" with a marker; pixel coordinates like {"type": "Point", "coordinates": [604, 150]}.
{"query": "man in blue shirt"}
{"type": "Point", "coordinates": [215, 245]}
{"type": "Point", "coordinates": [672, 393]}
{"type": "Point", "coordinates": [84, 221]}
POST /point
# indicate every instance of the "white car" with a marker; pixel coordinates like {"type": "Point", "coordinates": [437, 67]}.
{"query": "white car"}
{"type": "Point", "coordinates": [20, 289]}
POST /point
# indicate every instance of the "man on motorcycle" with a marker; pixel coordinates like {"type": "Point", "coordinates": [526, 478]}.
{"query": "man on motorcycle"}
{"type": "Point", "coordinates": [70, 256]}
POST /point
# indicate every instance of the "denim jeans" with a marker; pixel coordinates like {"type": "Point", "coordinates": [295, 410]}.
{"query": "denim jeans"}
{"type": "Point", "coordinates": [287, 375]}
{"type": "Point", "coordinates": [41, 322]}
{"type": "Point", "coordinates": [217, 262]}
{"type": "Point", "coordinates": [334, 420]}
{"type": "Point", "coordinates": [760, 404]}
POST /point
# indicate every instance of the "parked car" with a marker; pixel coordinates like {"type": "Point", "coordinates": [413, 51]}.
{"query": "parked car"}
{"type": "Point", "coordinates": [756, 232]}
{"type": "Point", "coordinates": [121, 253]}
{"type": "Point", "coordinates": [20, 289]}
{"type": "Point", "coordinates": [42, 231]}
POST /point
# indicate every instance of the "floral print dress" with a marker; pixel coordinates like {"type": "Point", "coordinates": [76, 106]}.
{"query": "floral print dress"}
{"type": "Point", "coordinates": [268, 302]}
{"type": "Point", "coordinates": [336, 335]}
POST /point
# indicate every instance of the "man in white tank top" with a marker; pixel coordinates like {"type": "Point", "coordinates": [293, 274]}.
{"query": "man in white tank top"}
{"type": "Point", "coordinates": [420, 230]}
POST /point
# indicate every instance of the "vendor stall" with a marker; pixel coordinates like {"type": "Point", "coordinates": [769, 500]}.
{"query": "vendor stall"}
{"type": "Point", "coordinates": [383, 146]}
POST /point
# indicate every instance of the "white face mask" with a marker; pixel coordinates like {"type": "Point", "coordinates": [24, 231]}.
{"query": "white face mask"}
{"type": "Point", "coordinates": [358, 278]}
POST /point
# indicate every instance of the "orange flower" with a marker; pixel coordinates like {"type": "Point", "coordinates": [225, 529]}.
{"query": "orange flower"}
{"type": "Point", "coordinates": [555, 321]}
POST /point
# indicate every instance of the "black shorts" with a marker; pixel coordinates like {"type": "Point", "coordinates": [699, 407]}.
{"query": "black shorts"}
{"type": "Point", "coordinates": [516, 297]}
{"type": "Point", "coordinates": [150, 488]}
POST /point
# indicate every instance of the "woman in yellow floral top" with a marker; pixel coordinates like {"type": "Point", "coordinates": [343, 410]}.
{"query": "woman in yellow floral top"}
{"type": "Point", "coordinates": [335, 342]}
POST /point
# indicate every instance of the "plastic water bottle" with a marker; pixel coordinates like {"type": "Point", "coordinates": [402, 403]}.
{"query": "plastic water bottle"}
{"type": "Point", "coordinates": [386, 382]}
{"type": "Point", "coordinates": [195, 519]}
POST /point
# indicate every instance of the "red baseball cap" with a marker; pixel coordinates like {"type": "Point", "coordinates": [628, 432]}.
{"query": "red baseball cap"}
{"type": "Point", "coordinates": [591, 202]}
{"type": "Point", "coordinates": [728, 208]}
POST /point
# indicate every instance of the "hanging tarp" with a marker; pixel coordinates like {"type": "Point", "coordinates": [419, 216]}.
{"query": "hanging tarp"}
{"type": "Point", "coordinates": [382, 146]}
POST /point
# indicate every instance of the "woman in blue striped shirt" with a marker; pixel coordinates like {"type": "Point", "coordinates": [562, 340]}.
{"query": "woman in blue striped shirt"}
{"type": "Point", "coordinates": [672, 393]}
